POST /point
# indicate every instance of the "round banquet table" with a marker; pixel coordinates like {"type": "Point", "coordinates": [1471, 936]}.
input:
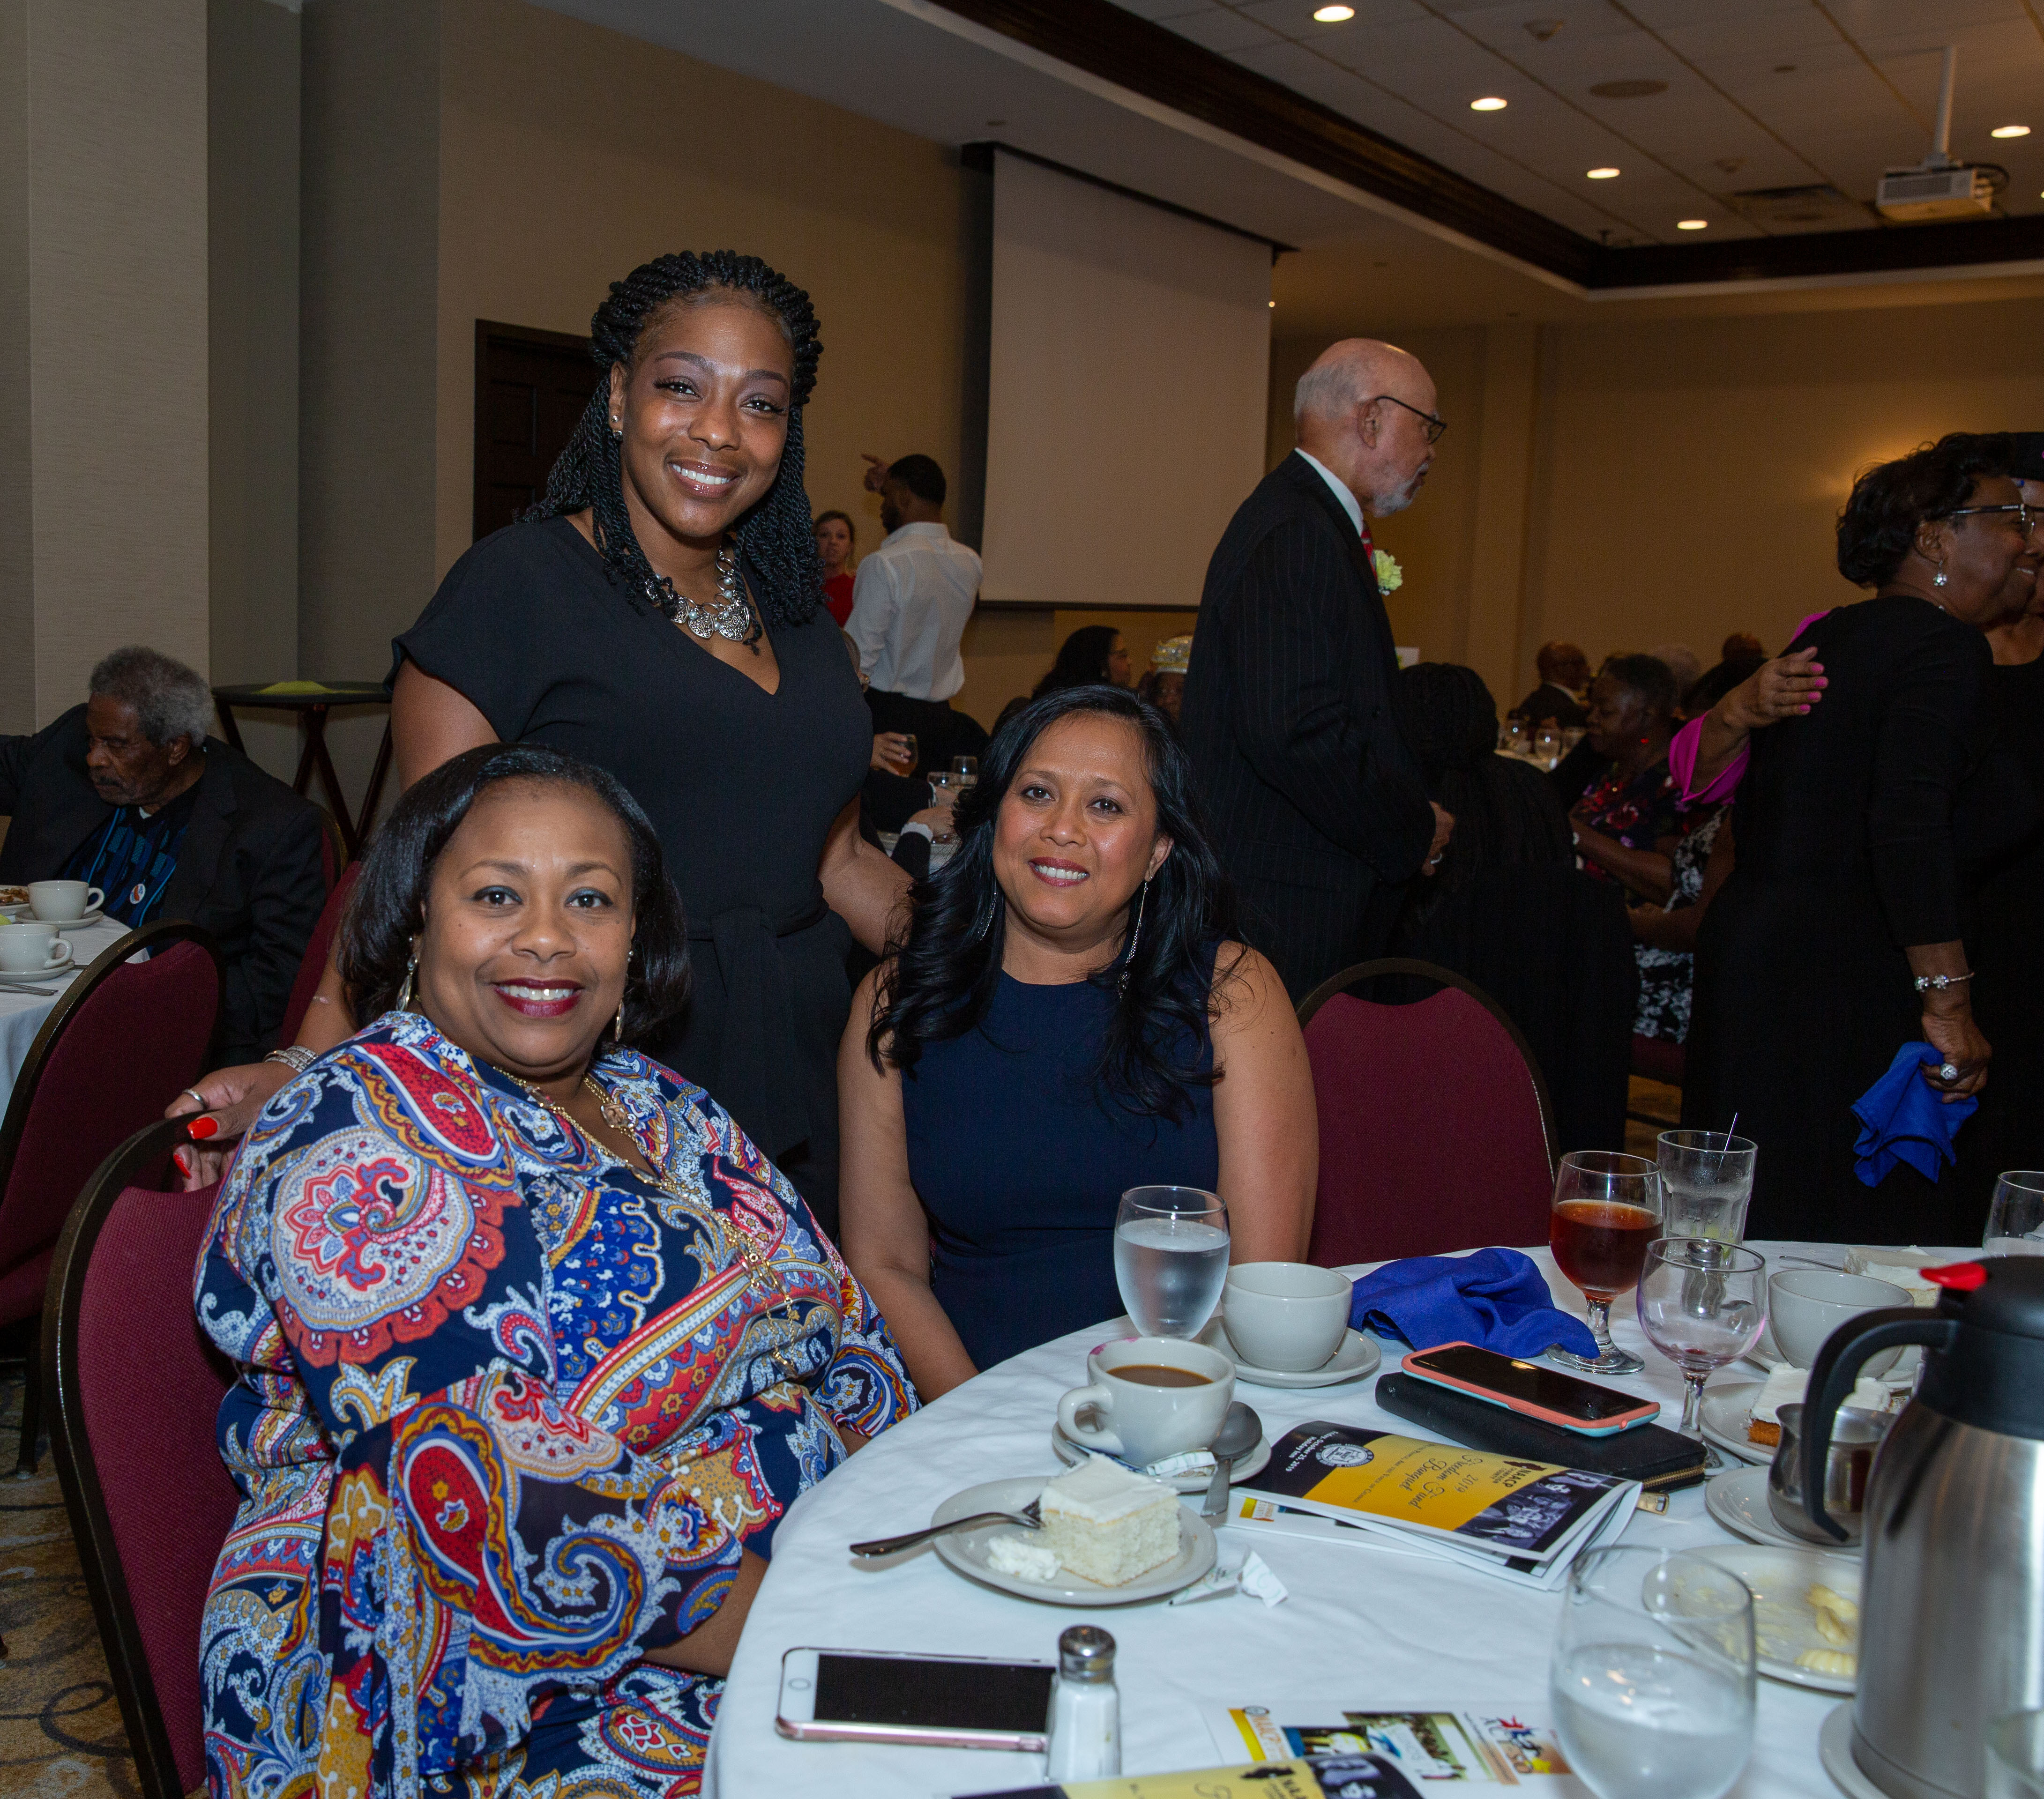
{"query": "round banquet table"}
{"type": "Point", "coordinates": [1368, 1627]}
{"type": "Point", "coordinates": [22, 1011]}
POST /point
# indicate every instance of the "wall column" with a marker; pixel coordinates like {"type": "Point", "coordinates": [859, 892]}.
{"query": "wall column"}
{"type": "Point", "coordinates": [1504, 469]}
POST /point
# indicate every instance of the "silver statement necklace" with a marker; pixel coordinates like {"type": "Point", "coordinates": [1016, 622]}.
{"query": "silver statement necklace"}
{"type": "Point", "coordinates": [731, 617]}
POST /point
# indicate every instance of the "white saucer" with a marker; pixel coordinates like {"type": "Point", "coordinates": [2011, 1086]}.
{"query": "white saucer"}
{"type": "Point", "coordinates": [1071, 1453]}
{"type": "Point", "coordinates": [1834, 1750]}
{"type": "Point", "coordinates": [1783, 1623]}
{"type": "Point", "coordinates": [1738, 1502]}
{"type": "Point", "coordinates": [965, 1551]}
{"type": "Point", "coordinates": [23, 980]}
{"type": "Point", "coordinates": [1726, 1409]}
{"type": "Point", "coordinates": [86, 924]}
{"type": "Point", "coordinates": [1357, 1355]}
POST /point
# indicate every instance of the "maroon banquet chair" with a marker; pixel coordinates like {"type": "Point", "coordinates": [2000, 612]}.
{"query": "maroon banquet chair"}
{"type": "Point", "coordinates": [1435, 1131]}
{"type": "Point", "coordinates": [117, 1046]}
{"type": "Point", "coordinates": [135, 1388]}
{"type": "Point", "coordinates": [317, 950]}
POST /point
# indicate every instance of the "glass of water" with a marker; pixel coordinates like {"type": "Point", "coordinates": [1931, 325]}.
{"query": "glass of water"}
{"type": "Point", "coordinates": [1653, 1675]}
{"type": "Point", "coordinates": [1706, 1184]}
{"type": "Point", "coordinates": [1702, 1304]}
{"type": "Point", "coordinates": [1170, 1258]}
{"type": "Point", "coordinates": [2015, 1220]}
{"type": "Point", "coordinates": [965, 773]}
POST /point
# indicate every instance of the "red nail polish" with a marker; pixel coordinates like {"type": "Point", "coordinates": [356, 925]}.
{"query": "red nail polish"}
{"type": "Point", "coordinates": [202, 1128]}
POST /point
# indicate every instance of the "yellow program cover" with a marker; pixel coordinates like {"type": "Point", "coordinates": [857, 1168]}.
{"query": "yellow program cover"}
{"type": "Point", "coordinates": [1287, 1779]}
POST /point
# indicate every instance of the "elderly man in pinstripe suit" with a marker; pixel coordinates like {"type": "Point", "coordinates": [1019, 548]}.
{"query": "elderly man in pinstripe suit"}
{"type": "Point", "coordinates": [1315, 803]}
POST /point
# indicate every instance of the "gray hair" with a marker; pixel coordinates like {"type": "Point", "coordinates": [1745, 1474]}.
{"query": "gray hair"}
{"type": "Point", "coordinates": [1328, 389]}
{"type": "Point", "coordinates": [169, 699]}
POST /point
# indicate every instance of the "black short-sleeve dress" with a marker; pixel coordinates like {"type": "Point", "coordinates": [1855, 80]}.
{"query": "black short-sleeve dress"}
{"type": "Point", "coordinates": [742, 786]}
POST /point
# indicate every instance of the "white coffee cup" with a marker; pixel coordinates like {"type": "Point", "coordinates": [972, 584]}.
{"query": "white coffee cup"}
{"type": "Point", "coordinates": [1805, 1306]}
{"type": "Point", "coordinates": [32, 949]}
{"type": "Point", "coordinates": [1287, 1316]}
{"type": "Point", "coordinates": [1140, 1421]}
{"type": "Point", "coordinates": [62, 902]}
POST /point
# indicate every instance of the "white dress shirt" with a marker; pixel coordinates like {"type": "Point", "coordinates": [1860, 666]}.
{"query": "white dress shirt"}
{"type": "Point", "coordinates": [1350, 504]}
{"type": "Point", "coordinates": [910, 600]}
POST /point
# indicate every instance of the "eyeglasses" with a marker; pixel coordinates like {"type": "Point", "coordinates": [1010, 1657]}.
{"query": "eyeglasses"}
{"type": "Point", "coordinates": [2025, 517]}
{"type": "Point", "coordinates": [1434, 427]}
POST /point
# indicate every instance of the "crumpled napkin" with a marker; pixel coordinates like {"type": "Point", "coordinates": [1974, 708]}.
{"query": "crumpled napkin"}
{"type": "Point", "coordinates": [1495, 1298]}
{"type": "Point", "coordinates": [1902, 1119]}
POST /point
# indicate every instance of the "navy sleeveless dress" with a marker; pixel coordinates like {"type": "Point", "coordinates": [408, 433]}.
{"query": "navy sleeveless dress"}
{"type": "Point", "coordinates": [1020, 1159]}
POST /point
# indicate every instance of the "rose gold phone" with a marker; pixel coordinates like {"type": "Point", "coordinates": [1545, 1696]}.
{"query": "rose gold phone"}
{"type": "Point", "coordinates": [952, 1702]}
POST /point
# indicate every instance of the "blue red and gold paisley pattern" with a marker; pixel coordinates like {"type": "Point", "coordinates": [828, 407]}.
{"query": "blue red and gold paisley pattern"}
{"type": "Point", "coordinates": [507, 1412]}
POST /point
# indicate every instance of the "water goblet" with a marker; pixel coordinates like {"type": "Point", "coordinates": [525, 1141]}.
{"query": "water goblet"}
{"type": "Point", "coordinates": [1606, 1209]}
{"type": "Point", "coordinates": [1702, 1304]}
{"type": "Point", "coordinates": [1170, 1258]}
{"type": "Point", "coordinates": [965, 773]}
{"type": "Point", "coordinates": [1653, 1675]}
{"type": "Point", "coordinates": [1547, 746]}
{"type": "Point", "coordinates": [2015, 1219]}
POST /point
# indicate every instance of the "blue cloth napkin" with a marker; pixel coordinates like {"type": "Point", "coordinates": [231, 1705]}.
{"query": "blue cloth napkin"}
{"type": "Point", "coordinates": [1902, 1119]}
{"type": "Point", "coordinates": [1495, 1298]}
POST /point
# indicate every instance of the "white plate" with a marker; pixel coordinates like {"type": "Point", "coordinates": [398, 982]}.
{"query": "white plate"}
{"type": "Point", "coordinates": [1738, 1502]}
{"type": "Point", "coordinates": [1071, 1453]}
{"type": "Point", "coordinates": [1357, 1355]}
{"type": "Point", "coordinates": [965, 1551]}
{"type": "Point", "coordinates": [1834, 1742]}
{"type": "Point", "coordinates": [1726, 1410]}
{"type": "Point", "coordinates": [1783, 1623]}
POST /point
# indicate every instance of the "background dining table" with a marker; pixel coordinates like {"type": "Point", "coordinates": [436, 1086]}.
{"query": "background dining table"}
{"type": "Point", "coordinates": [22, 1012]}
{"type": "Point", "coordinates": [1371, 1627]}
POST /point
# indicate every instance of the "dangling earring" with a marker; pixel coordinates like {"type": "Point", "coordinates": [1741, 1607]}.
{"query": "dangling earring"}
{"type": "Point", "coordinates": [1937, 580]}
{"type": "Point", "coordinates": [617, 1024]}
{"type": "Point", "coordinates": [987, 917]}
{"type": "Point", "coordinates": [405, 992]}
{"type": "Point", "coordinates": [1135, 937]}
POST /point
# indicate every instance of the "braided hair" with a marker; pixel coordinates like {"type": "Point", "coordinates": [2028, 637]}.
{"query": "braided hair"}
{"type": "Point", "coordinates": [775, 546]}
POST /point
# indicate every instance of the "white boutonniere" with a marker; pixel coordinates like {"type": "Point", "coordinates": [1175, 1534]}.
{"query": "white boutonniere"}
{"type": "Point", "coordinates": [1390, 578]}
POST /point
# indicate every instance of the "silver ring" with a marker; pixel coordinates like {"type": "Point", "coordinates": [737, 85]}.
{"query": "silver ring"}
{"type": "Point", "coordinates": [1948, 1072]}
{"type": "Point", "coordinates": [194, 1092]}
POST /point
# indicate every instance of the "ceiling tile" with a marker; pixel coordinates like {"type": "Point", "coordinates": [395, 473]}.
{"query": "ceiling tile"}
{"type": "Point", "coordinates": [1221, 30]}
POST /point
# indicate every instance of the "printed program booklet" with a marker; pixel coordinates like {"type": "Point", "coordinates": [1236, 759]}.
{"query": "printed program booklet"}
{"type": "Point", "coordinates": [1484, 1746]}
{"type": "Point", "coordinates": [1524, 1520]}
{"type": "Point", "coordinates": [1340, 1775]}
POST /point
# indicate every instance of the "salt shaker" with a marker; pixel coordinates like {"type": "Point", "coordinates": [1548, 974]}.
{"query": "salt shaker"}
{"type": "Point", "coordinates": [1086, 1709]}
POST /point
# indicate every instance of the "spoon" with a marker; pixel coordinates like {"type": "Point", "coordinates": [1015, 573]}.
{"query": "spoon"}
{"type": "Point", "coordinates": [1240, 1432]}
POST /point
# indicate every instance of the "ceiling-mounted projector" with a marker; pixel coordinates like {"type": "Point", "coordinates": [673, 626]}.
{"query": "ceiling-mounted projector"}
{"type": "Point", "coordinates": [1938, 187]}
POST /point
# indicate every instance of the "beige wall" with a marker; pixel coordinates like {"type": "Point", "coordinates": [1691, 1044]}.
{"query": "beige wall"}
{"type": "Point", "coordinates": [1007, 652]}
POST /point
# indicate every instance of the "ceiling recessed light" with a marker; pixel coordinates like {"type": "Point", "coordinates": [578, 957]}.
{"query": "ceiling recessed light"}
{"type": "Point", "coordinates": [1602, 174]}
{"type": "Point", "coordinates": [2010, 131]}
{"type": "Point", "coordinates": [1273, 306]}
{"type": "Point", "coordinates": [1785, 68]}
{"type": "Point", "coordinates": [996, 121]}
{"type": "Point", "coordinates": [1692, 225]}
{"type": "Point", "coordinates": [1490, 104]}
{"type": "Point", "coordinates": [1334, 15]}
{"type": "Point", "coordinates": [1627, 90]}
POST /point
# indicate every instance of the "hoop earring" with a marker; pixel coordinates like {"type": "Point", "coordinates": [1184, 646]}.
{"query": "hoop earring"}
{"type": "Point", "coordinates": [405, 991]}
{"type": "Point", "coordinates": [1135, 937]}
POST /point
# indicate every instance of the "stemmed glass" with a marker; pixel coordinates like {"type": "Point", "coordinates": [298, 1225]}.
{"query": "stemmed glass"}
{"type": "Point", "coordinates": [1702, 1304]}
{"type": "Point", "coordinates": [2015, 1220]}
{"type": "Point", "coordinates": [1607, 1211]}
{"type": "Point", "coordinates": [1653, 1673]}
{"type": "Point", "coordinates": [1547, 746]}
{"type": "Point", "coordinates": [1170, 1258]}
{"type": "Point", "coordinates": [965, 773]}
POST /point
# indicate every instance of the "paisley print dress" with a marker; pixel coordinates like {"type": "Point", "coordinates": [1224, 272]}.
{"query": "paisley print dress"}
{"type": "Point", "coordinates": [507, 1412]}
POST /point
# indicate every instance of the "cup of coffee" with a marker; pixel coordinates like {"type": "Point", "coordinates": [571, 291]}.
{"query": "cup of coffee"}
{"type": "Point", "coordinates": [1805, 1306]}
{"type": "Point", "coordinates": [62, 902]}
{"type": "Point", "coordinates": [1287, 1316]}
{"type": "Point", "coordinates": [32, 949]}
{"type": "Point", "coordinates": [1150, 1397]}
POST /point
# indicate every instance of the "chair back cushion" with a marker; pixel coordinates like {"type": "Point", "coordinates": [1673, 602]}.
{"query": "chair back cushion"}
{"type": "Point", "coordinates": [1430, 1133]}
{"type": "Point", "coordinates": [316, 951]}
{"type": "Point", "coordinates": [119, 1060]}
{"type": "Point", "coordinates": [149, 1387]}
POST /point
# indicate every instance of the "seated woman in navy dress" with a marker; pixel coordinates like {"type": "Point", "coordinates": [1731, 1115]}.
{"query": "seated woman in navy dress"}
{"type": "Point", "coordinates": [533, 1348]}
{"type": "Point", "coordinates": [1067, 1017]}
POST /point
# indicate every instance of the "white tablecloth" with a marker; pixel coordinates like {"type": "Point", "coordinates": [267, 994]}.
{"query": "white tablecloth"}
{"type": "Point", "coordinates": [1365, 1627]}
{"type": "Point", "coordinates": [21, 1014]}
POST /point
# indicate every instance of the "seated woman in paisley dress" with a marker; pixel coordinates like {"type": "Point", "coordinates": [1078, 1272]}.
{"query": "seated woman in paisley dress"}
{"type": "Point", "coordinates": [534, 1347]}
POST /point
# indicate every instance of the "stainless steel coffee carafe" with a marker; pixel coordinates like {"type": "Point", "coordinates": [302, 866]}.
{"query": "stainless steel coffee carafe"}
{"type": "Point", "coordinates": [1952, 1596]}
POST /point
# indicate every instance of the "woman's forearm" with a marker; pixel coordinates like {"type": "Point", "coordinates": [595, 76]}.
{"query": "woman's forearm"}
{"type": "Point", "coordinates": [708, 1648]}
{"type": "Point", "coordinates": [329, 1020]}
{"type": "Point", "coordinates": [1660, 930]}
{"type": "Point", "coordinates": [861, 886]}
{"type": "Point", "coordinates": [1648, 873]}
{"type": "Point", "coordinates": [936, 1359]}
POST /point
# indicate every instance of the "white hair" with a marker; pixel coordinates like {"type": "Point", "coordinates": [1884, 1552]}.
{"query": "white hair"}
{"type": "Point", "coordinates": [170, 700]}
{"type": "Point", "coordinates": [1328, 389]}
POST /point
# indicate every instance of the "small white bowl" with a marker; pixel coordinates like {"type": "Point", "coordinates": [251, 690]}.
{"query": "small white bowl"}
{"type": "Point", "coordinates": [1291, 1317]}
{"type": "Point", "coordinates": [1805, 1306]}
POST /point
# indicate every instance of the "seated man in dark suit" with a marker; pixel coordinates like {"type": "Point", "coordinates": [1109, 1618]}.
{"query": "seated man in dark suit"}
{"type": "Point", "coordinates": [1565, 673]}
{"type": "Point", "coordinates": [128, 793]}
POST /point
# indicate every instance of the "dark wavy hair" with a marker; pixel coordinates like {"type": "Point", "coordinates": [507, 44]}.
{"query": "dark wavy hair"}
{"type": "Point", "coordinates": [940, 977]}
{"type": "Point", "coordinates": [776, 542]}
{"type": "Point", "coordinates": [388, 905]}
{"type": "Point", "coordinates": [1889, 501]}
{"type": "Point", "coordinates": [1081, 660]}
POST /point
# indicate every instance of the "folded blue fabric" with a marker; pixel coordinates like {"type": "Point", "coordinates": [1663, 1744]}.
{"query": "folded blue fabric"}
{"type": "Point", "coordinates": [1493, 1298]}
{"type": "Point", "coordinates": [1902, 1119]}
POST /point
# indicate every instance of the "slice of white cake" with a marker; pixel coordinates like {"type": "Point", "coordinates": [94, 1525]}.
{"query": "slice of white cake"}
{"type": "Point", "coordinates": [1109, 1525]}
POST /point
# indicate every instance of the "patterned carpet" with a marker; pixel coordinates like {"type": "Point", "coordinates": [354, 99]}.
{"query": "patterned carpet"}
{"type": "Point", "coordinates": [61, 1732]}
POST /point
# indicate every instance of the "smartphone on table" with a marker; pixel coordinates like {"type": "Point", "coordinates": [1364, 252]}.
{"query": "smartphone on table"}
{"type": "Point", "coordinates": [952, 1702]}
{"type": "Point", "coordinates": [1530, 1387]}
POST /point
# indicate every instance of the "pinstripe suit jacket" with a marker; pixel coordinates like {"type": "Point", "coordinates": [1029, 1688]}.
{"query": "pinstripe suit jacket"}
{"type": "Point", "coordinates": [1315, 802]}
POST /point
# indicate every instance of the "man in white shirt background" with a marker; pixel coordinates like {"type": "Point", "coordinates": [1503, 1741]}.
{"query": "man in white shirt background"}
{"type": "Point", "coordinates": [910, 604]}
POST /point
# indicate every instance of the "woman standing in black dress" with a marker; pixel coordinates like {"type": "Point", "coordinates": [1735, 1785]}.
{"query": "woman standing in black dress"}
{"type": "Point", "coordinates": [1837, 938]}
{"type": "Point", "coordinates": [662, 617]}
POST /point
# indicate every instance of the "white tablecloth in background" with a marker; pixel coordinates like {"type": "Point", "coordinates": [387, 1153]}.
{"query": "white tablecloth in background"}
{"type": "Point", "coordinates": [1371, 1627]}
{"type": "Point", "coordinates": [21, 1014]}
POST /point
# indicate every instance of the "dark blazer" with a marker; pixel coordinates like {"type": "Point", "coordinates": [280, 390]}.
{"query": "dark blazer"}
{"type": "Point", "coordinates": [249, 870]}
{"type": "Point", "coordinates": [1314, 801]}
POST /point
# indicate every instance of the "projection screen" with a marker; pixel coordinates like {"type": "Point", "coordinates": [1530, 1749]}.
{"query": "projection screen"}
{"type": "Point", "coordinates": [1126, 397]}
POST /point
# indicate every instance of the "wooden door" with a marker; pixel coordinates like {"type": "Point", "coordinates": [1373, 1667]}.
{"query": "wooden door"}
{"type": "Point", "coordinates": [530, 390]}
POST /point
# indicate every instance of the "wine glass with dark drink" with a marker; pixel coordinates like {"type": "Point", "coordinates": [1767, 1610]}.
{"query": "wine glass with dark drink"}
{"type": "Point", "coordinates": [1607, 1211]}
